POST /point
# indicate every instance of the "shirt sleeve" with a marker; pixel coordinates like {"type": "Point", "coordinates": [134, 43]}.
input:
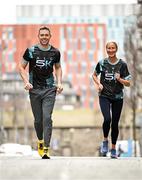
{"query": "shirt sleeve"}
{"type": "Point", "coordinates": [125, 72]}
{"type": "Point", "coordinates": [97, 69]}
{"type": "Point", "coordinates": [58, 56]}
{"type": "Point", "coordinates": [27, 55]}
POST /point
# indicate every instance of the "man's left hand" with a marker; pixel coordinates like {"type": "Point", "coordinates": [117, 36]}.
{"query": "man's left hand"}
{"type": "Point", "coordinates": [59, 88]}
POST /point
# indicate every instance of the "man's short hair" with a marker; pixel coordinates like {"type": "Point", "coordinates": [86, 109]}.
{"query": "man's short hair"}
{"type": "Point", "coordinates": [44, 28]}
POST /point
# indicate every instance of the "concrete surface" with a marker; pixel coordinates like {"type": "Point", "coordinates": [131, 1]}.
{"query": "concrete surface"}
{"type": "Point", "coordinates": [70, 168]}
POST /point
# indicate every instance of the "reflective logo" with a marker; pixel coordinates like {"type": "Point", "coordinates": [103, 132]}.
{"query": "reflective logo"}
{"type": "Point", "coordinates": [109, 76]}
{"type": "Point", "coordinates": [40, 62]}
{"type": "Point", "coordinates": [43, 62]}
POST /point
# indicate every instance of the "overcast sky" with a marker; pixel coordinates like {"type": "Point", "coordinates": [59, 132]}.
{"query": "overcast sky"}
{"type": "Point", "coordinates": [8, 7]}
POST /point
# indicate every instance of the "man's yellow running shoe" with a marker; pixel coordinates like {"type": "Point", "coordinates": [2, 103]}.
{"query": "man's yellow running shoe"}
{"type": "Point", "coordinates": [40, 146]}
{"type": "Point", "coordinates": [45, 153]}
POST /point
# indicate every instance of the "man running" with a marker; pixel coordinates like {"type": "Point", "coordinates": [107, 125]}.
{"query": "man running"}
{"type": "Point", "coordinates": [42, 59]}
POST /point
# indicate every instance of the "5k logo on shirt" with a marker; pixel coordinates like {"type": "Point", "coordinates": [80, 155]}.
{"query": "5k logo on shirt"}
{"type": "Point", "coordinates": [43, 62]}
{"type": "Point", "coordinates": [109, 76]}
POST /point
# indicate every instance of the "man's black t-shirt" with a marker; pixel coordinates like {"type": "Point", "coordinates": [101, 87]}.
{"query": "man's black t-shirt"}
{"type": "Point", "coordinates": [111, 87]}
{"type": "Point", "coordinates": [41, 62]}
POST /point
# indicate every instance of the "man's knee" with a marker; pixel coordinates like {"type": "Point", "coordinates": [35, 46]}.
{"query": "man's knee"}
{"type": "Point", "coordinates": [47, 121]}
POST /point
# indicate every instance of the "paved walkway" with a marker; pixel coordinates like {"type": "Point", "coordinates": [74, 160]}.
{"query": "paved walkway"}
{"type": "Point", "coordinates": [70, 168]}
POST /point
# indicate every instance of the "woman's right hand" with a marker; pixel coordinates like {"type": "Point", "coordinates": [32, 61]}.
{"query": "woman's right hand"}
{"type": "Point", "coordinates": [28, 86]}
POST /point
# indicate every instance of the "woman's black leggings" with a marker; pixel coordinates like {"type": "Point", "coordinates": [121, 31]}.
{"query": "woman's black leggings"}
{"type": "Point", "coordinates": [111, 110]}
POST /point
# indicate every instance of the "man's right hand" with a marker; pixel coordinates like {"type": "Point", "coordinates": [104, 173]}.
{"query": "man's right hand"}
{"type": "Point", "coordinates": [28, 86]}
{"type": "Point", "coordinates": [100, 87]}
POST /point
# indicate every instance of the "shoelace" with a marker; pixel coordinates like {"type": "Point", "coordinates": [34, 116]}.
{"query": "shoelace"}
{"type": "Point", "coordinates": [113, 152]}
